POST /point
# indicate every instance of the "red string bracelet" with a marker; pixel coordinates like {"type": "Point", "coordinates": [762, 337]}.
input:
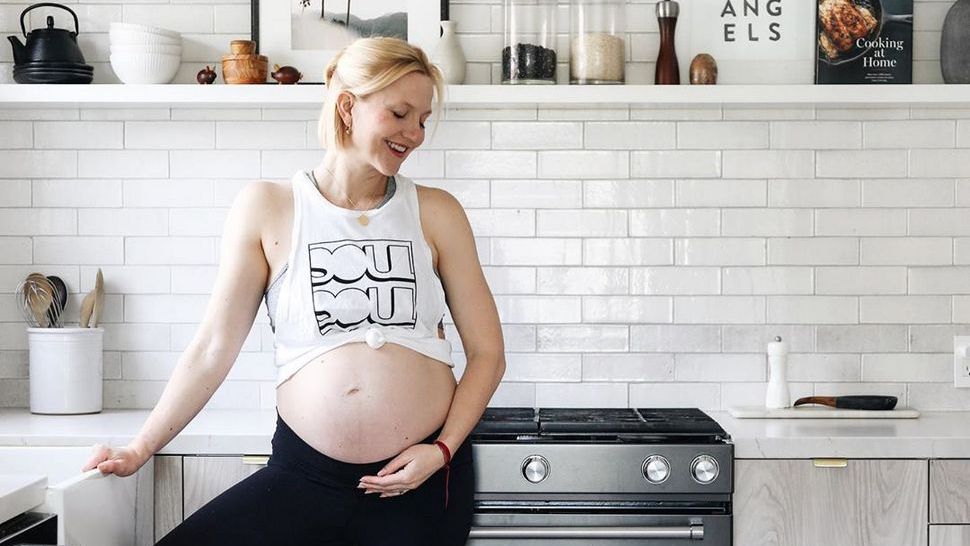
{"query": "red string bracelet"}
{"type": "Point", "coordinates": [447, 453]}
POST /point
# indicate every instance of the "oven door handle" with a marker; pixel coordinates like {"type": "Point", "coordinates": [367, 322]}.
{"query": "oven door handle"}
{"type": "Point", "coordinates": [690, 532]}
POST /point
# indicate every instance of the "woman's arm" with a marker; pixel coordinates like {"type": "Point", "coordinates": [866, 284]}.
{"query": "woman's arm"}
{"type": "Point", "coordinates": [206, 361]}
{"type": "Point", "coordinates": [473, 309]}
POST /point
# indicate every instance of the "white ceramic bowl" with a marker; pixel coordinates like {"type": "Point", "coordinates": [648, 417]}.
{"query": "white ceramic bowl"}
{"type": "Point", "coordinates": [145, 68]}
{"type": "Point", "coordinates": [145, 29]}
{"type": "Point", "coordinates": [136, 49]}
{"type": "Point", "coordinates": [120, 36]}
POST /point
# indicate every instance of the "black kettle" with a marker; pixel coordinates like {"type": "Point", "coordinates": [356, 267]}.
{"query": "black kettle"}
{"type": "Point", "coordinates": [49, 44]}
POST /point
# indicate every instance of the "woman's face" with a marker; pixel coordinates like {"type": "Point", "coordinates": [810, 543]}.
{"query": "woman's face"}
{"type": "Point", "coordinates": [389, 124]}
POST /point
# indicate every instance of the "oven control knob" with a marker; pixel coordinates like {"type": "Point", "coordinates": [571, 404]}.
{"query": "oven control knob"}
{"type": "Point", "coordinates": [704, 469]}
{"type": "Point", "coordinates": [656, 469]}
{"type": "Point", "coordinates": [535, 468]}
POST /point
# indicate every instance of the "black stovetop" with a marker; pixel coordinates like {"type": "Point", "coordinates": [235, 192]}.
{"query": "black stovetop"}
{"type": "Point", "coordinates": [598, 425]}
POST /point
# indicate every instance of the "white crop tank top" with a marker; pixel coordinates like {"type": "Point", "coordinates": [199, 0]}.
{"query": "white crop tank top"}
{"type": "Point", "coordinates": [349, 283]}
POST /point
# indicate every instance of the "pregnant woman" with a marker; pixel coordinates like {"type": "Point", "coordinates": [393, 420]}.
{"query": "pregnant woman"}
{"type": "Point", "coordinates": [358, 266]}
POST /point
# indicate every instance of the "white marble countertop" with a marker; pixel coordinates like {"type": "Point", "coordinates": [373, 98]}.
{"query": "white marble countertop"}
{"type": "Point", "coordinates": [234, 432]}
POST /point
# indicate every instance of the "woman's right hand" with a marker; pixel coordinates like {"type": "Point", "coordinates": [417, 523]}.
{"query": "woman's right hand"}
{"type": "Point", "coordinates": [120, 461]}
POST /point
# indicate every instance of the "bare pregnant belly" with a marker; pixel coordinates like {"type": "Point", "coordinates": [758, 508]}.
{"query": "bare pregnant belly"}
{"type": "Point", "coordinates": [360, 405]}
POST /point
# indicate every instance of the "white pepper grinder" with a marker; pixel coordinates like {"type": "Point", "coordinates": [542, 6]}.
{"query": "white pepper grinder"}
{"type": "Point", "coordinates": [777, 396]}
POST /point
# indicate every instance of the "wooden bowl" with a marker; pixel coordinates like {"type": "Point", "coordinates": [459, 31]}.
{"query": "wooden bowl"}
{"type": "Point", "coordinates": [242, 47]}
{"type": "Point", "coordinates": [244, 68]}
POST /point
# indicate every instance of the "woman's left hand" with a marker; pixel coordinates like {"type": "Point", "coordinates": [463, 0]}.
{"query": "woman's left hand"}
{"type": "Point", "coordinates": [405, 472]}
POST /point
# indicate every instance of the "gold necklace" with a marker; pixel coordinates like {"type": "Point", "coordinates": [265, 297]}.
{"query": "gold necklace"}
{"type": "Point", "coordinates": [363, 219]}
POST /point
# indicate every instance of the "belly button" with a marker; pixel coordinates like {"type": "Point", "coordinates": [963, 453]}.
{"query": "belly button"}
{"type": "Point", "coordinates": [353, 390]}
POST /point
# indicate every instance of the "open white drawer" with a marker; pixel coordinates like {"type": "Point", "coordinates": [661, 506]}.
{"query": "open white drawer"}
{"type": "Point", "coordinates": [92, 509]}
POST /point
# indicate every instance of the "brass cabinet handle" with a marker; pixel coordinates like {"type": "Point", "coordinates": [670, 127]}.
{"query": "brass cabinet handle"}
{"type": "Point", "coordinates": [830, 463]}
{"type": "Point", "coordinates": [255, 459]}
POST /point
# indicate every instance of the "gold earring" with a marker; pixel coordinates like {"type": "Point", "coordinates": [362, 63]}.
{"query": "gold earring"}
{"type": "Point", "coordinates": [348, 129]}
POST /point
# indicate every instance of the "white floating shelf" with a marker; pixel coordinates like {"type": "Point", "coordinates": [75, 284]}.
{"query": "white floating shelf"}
{"type": "Point", "coordinates": [492, 96]}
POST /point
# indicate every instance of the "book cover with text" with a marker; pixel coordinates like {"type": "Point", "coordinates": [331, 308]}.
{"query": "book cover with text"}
{"type": "Point", "coordinates": [864, 41]}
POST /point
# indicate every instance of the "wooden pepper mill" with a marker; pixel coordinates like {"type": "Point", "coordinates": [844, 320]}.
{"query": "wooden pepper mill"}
{"type": "Point", "coordinates": [668, 71]}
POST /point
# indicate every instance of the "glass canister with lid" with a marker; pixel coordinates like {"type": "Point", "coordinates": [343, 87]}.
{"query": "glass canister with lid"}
{"type": "Point", "coordinates": [529, 52]}
{"type": "Point", "coordinates": [597, 48]}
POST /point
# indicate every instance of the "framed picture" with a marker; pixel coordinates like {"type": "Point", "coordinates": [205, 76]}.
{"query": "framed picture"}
{"type": "Point", "coordinates": [306, 34]}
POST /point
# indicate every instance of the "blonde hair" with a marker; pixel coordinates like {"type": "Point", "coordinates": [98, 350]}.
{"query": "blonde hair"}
{"type": "Point", "coordinates": [367, 66]}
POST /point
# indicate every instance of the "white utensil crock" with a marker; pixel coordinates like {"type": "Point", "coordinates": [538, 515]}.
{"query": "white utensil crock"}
{"type": "Point", "coordinates": [66, 367]}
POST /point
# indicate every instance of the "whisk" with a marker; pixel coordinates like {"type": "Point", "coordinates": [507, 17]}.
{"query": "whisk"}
{"type": "Point", "coordinates": [36, 295]}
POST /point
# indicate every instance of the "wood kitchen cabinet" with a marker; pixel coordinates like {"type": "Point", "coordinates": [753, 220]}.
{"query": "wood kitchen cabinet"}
{"type": "Point", "coordinates": [836, 503]}
{"type": "Point", "coordinates": [950, 502]}
{"type": "Point", "coordinates": [183, 484]}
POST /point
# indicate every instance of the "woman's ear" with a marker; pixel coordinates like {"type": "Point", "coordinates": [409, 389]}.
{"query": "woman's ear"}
{"type": "Point", "coordinates": [345, 104]}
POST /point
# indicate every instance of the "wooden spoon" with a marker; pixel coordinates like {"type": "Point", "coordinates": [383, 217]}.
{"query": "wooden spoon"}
{"type": "Point", "coordinates": [87, 306]}
{"type": "Point", "coordinates": [98, 298]}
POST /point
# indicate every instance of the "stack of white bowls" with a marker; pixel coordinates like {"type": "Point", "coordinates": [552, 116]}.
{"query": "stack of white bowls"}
{"type": "Point", "coordinates": [144, 54]}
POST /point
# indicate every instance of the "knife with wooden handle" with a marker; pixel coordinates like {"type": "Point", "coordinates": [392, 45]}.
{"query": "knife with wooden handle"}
{"type": "Point", "coordinates": [857, 402]}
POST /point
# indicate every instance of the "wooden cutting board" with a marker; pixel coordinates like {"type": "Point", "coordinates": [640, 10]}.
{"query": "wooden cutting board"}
{"type": "Point", "coordinates": [819, 412]}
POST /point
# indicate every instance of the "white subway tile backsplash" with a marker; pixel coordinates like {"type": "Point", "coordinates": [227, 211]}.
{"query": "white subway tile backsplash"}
{"type": "Point", "coordinates": [675, 280]}
{"type": "Point", "coordinates": [38, 163]}
{"type": "Point", "coordinates": [490, 164]}
{"type": "Point", "coordinates": [907, 193]}
{"type": "Point", "coordinates": [824, 367]}
{"type": "Point", "coordinates": [722, 135]}
{"type": "Point", "coordinates": [635, 135]}
{"type": "Point", "coordinates": [939, 280]}
{"type": "Point", "coordinates": [539, 135]}
{"type": "Point", "coordinates": [706, 396]}
{"type": "Point", "coordinates": [909, 134]}
{"type": "Point", "coordinates": [584, 164]}
{"type": "Point", "coordinates": [16, 250]}
{"type": "Point", "coordinates": [582, 395]}
{"type": "Point", "coordinates": [676, 164]}
{"type": "Point", "coordinates": [164, 308]}
{"type": "Point", "coordinates": [215, 164]}
{"type": "Point", "coordinates": [813, 309]}
{"type": "Point", "coordinates": [933, 338]}
{"type": "Point", "coordinates": [906, 251]}
{"type": "Point", "coordinates": [16, 134]}
{"type": "Point", "coordinates": [582, 338]}
{"type": "Point", "coordinates": [544, 251]}
{"type": "Point", "coordinates": [674, 222]}
{"type": "Point", "coordinates": [719, 251]}
{"type": "Point", "coordinates": [861, 338]}
{"type": "Point", "coordinates": [536, 194]}
{"type": "Point", "coordinates": [124, 163]}
{"type": "Point", "coordinates": [502, 222]}
{"type": "Point", "coordinates": [582, 280]}
{"type": "Point", "coordinates": [766, 223]}
{"type": "Point", "coordinates": [939, 163]}
{"type": "Point", "coordinates": [754, 338]}
{"type": "Point", "coordinates": [627, 309]}
{"type": "Point", "coordinates": [813, 251]}
{"type": "Point", "coordinates": [768, 164]}
{"type": "Point", "coordinates": [912, 368]}
{"type": "Point", "coordinates": [164, 135]}
{"type": "Point", "coordinates": [627, 251]}
{"type": "Point", "coordinates": [724, 368]}
{"type": "Point", "coordinates": [627, 367]}
{"type": "Point", "coordinates": [860, 280]}
{"type": "Point", "coordinates": [511, 280]}
{"type": "Point", "coordinates": [853, 222]}
{"type": "Point", "coordinates": [196, 221]}
{"type": "Point", "coordinates": [767, 280]}
{"type": "Point", "coordinates": [581, 223]}
{"type": "Point", "coordinates": [542, 367]}
{"type": "Point", "coordinates": [818, 193]}
{"type": "Point", "coordinates": [861, 164]}
{"type": "Point", "coordinates": [628, 193]}
{"type": "Point", "coordinates": [260, 135]}
{"type": "Point", "coordinates": [539, 309]}
{"type": "Point", "coordinates": [942, 222]}
{"type": "Point", "coordinates": [76, 193]}
{"type": "Point", "coordinates": [170, 250]}
{"type": "Point", "coordinates": [78, 135]}
{"type": "Point", "coordinates": [816, 135]}
{"type": "Point", "coordinates": [719, 309]}
{"type": "Point", "coordinates": [127, 221]}
{"type": "Point", "coordinates": [720, 193]}
{"type": "Point", "coordinates": [904, 309]}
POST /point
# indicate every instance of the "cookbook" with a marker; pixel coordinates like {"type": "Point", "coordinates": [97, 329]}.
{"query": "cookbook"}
{"type": "Point", "coordinates": [864, 41]}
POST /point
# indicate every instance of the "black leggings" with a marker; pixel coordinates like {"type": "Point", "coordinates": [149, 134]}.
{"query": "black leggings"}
{"type": "Point", "coordinates": [304, 497]}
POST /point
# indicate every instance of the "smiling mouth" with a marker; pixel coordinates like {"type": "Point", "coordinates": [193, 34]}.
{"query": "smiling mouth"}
{"type": "Point", "coordinates": [398, 149]}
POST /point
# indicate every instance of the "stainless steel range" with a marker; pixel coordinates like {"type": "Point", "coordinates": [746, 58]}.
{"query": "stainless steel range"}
{"type": "Point", "coordinates": [601, 477]}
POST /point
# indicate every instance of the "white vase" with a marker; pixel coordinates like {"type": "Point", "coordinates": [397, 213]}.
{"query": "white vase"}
{"type": "Point", "coordinates": [448, 54]}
